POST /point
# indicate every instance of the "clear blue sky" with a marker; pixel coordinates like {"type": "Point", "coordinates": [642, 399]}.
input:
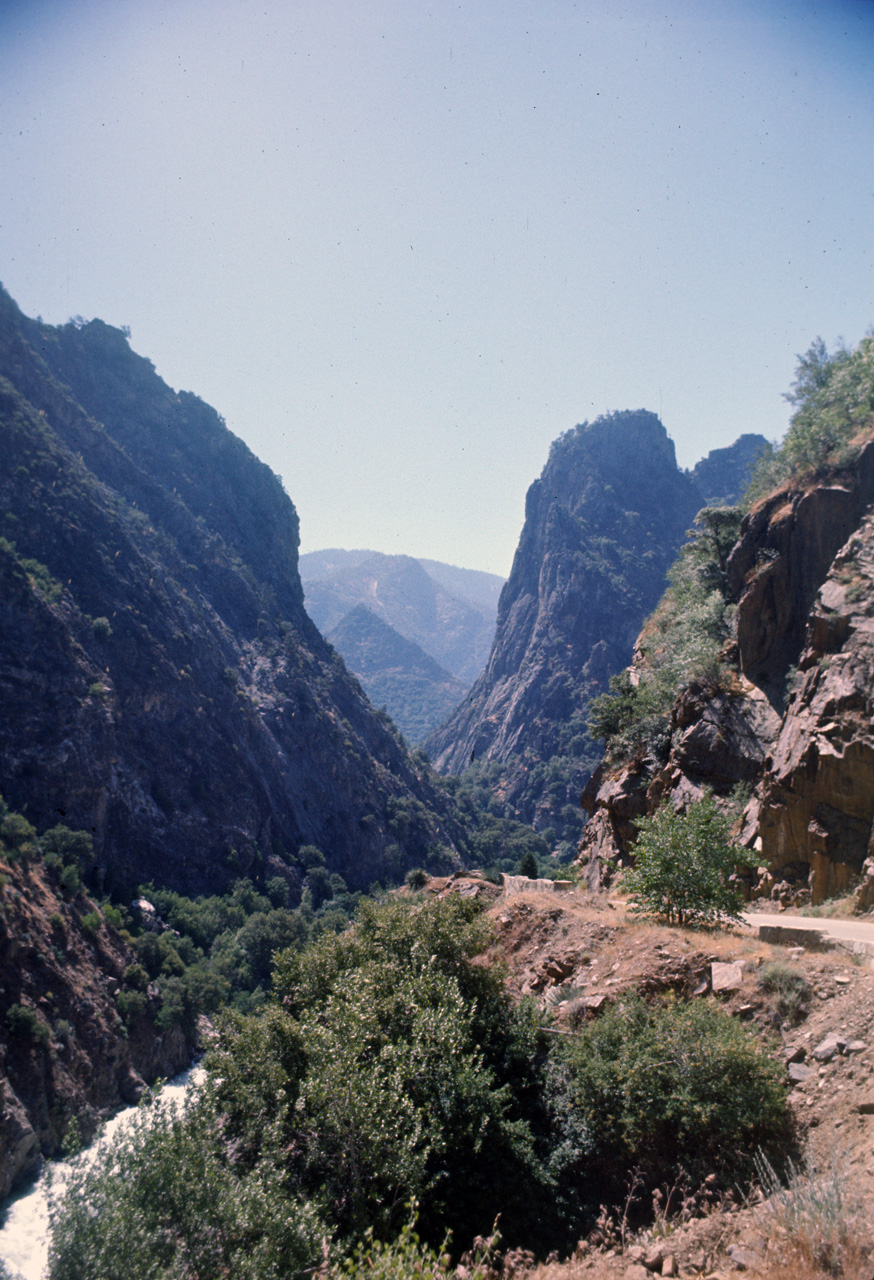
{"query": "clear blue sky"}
{"type": "Point", "coordinates": [401, 246]}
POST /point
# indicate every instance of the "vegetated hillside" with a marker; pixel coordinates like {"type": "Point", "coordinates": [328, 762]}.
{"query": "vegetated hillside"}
{"type": "Point", "coordinates": [396, 673]}
{"type": "Point", "coordinates": [399, 1041]}
{"type": "Point", "coordinates": [448, 612]}
{"type": "Point", "coordinates": [79, 1034]}
{"type": "Point", "coordinates": [161, 684]}
{"type": "Point", "coordinates": [602, 525]}
{"type": "Point", "coordinates": [777, 716]}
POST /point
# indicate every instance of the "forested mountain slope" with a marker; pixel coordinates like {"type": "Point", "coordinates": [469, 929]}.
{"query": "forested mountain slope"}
{"type": "Point", "coordinates": [161, 684]}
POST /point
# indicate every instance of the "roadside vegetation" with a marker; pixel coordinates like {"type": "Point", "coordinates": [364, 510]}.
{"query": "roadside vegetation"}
{"type": "Point", "coordinates": [390, 1068]}
{"type": "Point", "coordinates": [833, 399]}
{"type": "Point", "coordinates": [685, 864]}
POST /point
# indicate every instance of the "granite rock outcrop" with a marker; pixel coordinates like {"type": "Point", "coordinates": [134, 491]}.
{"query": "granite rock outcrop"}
{"type": "Point", "coordinates": [792, 720]}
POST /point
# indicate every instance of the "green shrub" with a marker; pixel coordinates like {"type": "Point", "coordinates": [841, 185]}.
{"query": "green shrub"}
{"type": "Point", "coordinates": [528, 866]}
{"type": "Point", "coordinates": [683, 865]}
{"type": "Point", "coordinates": [25, 1022]}
{"type": "Point", "coordinates": [18, 837]}
{"type": "Point", "coordinates": [277, 891]}
{"type": "Point", "coordinates": [42, 581]}
{"type": "Point", "coordinates": [672, 1090]}
{"type": "Point", "coordinates": [164, 1200]}
{"type": "Point", "coordinates": [132, 1006]}
{"type": "Point", "coordinates": [833, 396]}
{"type": "Point", "coordinates": [408, 1256]}
{"type": "Point", "coordinates": [789, 985]}
{"type": "Point", "coordinates": [136, 977]}
{"type": "Point", "coordinates": [90, 923]}
{"type": "Point", "coordinates": [101, 628]}
{"type": "Point", "coordinates": [417, 878]}
{"type": "Point", "coordinates": [75, 847]}
{"type": "Point", "coordinates": [396, 1047]}
{"type": "Point", "coordinates": [71, 881]}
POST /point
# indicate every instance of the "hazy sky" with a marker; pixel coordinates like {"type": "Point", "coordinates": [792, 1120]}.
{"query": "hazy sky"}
{"type": "Point", "coordinates": [401, 246]}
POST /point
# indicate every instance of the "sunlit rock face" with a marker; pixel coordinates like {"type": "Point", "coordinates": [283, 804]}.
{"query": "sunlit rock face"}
{"type": "Point", "coordinates": [602, 525]}
{"type": "Point", "coordinates": [796, 722]}
{"type": "Point", "coordinates": [816, 801]}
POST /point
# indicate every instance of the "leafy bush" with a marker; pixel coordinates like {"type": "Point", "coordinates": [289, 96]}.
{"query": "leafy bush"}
{"type": "Point", "coordinates": [407, 1256]}
{"type": "Point", "coordinates": [833, 395]}
{"type": "Point", "coordinates": [71, 881]}
{"type": "Point", "coordinates": [25, 1022]}
{"type": "Point", "coordinates": [789, 985]}
{"type": "Point", "coordinates": [90, 923]}
{"type": "Point", "coordinates": [76, 847]}
{"type": "Point", "coordinates": [528, 866]}
{"type": "Point", "coordinates": [101, 628]}
{"type": "Point", "coordinates": [417, 878]}
{"type": "Point", "coordinates": [417, 1077]}
{"type": "Point", "coordinates": [164, 1200]}
{"type": "Point", "coordinates": [17, 837]}
{"type": "Point", "coordinates": [672, 1090]}
{"type": "Point", "coordinates": [683, 865]}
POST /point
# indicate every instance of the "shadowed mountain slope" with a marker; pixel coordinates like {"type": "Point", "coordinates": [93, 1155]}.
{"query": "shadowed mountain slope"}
{"type": "Point", "coordinates": [161, 684]}
{"type": "Point", "coordinates": [396, 673]}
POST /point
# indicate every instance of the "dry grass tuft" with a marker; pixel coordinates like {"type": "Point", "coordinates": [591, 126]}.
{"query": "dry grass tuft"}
{"type": "Point", "coordinates": [815, 1222]}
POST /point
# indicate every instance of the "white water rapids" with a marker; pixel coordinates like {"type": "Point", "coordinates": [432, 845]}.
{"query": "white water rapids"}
{"type": "Point", "coordinates": [24, 1233]}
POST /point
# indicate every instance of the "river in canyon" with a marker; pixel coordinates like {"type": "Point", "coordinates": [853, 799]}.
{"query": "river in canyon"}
{"type": "Point", "coordinates": [24, 1218]}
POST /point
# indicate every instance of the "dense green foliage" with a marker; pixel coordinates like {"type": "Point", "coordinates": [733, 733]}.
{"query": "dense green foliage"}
{"type": "Point", "coordinates": [672, 1091]}
{"type": "Point", "coordinates": [496, 841]}
{"type": "Point", "coordinates": [833, 399]}
{"type": "Point", "coordinates": [390, 1067]}
{"type": "Point", "coordinates": [164, 1201]}
{"type": "Point", "coordinates": [414, 1078]}
{"type": "Point", "coordinates": [683, 864]}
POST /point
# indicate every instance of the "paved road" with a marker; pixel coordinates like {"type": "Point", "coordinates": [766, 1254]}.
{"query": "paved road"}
{"type": "Point", "coordinates": [844, 930]}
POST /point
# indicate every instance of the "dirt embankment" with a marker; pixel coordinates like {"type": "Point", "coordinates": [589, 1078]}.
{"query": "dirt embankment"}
{"type": "Point", "coordinates": [575, 955]}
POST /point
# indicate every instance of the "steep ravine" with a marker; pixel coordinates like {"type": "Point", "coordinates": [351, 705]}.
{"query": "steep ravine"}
{"type": "Point", "coordinates": [68, 1057]}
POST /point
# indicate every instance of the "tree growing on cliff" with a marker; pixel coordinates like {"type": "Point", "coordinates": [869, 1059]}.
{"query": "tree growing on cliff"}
{"type": "Point", "coordinates": [684, 864]}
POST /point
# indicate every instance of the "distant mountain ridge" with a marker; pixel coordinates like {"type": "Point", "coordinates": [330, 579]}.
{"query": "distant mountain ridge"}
{"type": "Point", "coordinates": [449, 612]}
{"type": "Point", "coordinates": [602, 525]}
{"type": "Point", "coordinates": [396, 673]}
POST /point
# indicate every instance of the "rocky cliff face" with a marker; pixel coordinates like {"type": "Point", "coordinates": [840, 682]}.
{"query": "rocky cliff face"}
{"type": "Point", "coordinates": [794, 721]}
{"type": "Point", "coordinates": [161, 685]}
{"type": "Point", "coordinates": [722, 477]}
{"type": "Point", "coordinates": [602, 525]}
{"type": "Point", "coordinates": [65, 1054]}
